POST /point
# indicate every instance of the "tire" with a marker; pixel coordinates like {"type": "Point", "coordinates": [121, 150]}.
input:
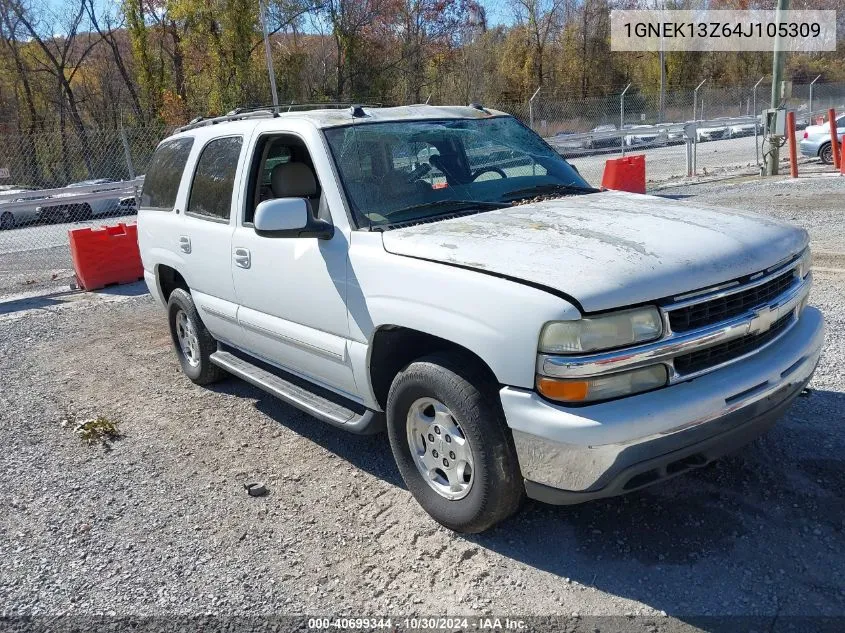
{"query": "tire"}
{"type": "Point", "coordinates": [83, 212]}
{"type": "Point", "coordinates": [493, 490]}
{"type": "Point", "coordinates": [7, 221]}
{"type": "Point", "coordinates": [826, 154]}
{"type": "Point", "coordinates": [186, 328]}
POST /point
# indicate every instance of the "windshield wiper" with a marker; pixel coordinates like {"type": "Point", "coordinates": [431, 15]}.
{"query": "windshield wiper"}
{"type": "Point", "coordinates": [458, 206]}
{"type": "Point", "coordinates": [540, 190]}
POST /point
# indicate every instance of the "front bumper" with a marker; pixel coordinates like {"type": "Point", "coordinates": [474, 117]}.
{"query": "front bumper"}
{"type": "Point", "coordinates": [575, 454]}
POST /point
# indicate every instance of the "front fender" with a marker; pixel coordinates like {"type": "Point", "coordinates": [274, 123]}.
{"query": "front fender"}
{"type": "Point", "coordinates": [497, 319]}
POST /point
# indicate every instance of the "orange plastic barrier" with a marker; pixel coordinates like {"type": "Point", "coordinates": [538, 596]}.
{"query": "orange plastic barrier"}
{"type": "Point", "coordinates": [625, 174]}
{"type": "Point", "coordinates": [106, 256]}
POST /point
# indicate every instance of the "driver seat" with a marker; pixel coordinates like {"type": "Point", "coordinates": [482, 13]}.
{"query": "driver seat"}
{"type": "Point", "coordinates": [297, 180]}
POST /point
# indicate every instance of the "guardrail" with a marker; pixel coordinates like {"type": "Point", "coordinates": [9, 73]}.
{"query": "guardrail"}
{"type": "Point", "coordinates": [650, 136]}
{"type": "Point", "coordinates": [21, 200]}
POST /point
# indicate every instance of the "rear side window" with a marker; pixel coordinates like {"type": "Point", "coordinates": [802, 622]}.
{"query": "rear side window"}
{"type": "Point", "coordinates": [214, 179]}
{"type": "Point", "coordinates": [161, 183]}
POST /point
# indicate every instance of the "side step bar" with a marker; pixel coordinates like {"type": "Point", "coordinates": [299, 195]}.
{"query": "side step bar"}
{"type": "Point", "coordinates": [335, 413]}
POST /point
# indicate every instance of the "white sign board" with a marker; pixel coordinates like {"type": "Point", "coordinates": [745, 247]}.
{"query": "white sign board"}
{"type": "Point", "coordinates": [4, 172]}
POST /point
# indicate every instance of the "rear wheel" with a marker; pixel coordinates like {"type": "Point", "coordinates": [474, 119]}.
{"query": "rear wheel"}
{"type": "Point", "coordinates": [451, 443]}
{"type": "Point", "coordinates": [83, 212]}
{"type": "Point", "coordinates": [193, 343]}
{"type": "Point", "coordinates": [826, 154]}
{"type": "Point", "coordinates": [7, 221]}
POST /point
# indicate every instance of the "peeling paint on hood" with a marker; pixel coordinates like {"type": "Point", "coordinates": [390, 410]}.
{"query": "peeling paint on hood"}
{"type": "Point", "coordinates": [609, 249]}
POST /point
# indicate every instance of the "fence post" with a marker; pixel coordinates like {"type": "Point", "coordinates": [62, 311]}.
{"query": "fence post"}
{"type": "Point", "coordinates": [127, 154]}
{"type": "Point", "coordinates": [695, 100]}
{"type": "Point", "coordinates": [754, 112]}
{"type": "Point", "coordinates": [531, 108]}
{"type": "Point", "coordinates": [622, 116]}
{"type": "Point", "coordinates": [810, 105]}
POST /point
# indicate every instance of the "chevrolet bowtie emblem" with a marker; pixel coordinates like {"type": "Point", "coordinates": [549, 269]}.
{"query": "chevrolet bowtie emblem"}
{"type": "Point", "coordinates": [763, 320]}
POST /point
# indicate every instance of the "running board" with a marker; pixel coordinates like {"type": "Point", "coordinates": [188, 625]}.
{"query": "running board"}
{"type": "Point", "coordinates": [334, 413]}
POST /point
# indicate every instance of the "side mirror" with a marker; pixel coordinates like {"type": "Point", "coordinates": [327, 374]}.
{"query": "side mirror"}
{"type": "Point", "coordinates": [290, 217]}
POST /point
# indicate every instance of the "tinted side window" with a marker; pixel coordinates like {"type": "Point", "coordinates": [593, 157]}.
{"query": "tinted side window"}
{"type": "Point", "coordinates": [214, 179]}
{"type": "Point", "coordinates": [161, 182]}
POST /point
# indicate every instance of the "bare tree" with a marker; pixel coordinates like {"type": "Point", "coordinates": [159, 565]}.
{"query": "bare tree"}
{"type": "Point", "coordinates": [110, 27]}
{"type": "Point", "coordinates": [541, 18]}
{"type": "Point", "coordinates": [63, 57]}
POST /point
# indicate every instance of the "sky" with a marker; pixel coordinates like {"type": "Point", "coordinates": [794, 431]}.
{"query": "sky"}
{"type": "Point", "coordinates": [498, 11]}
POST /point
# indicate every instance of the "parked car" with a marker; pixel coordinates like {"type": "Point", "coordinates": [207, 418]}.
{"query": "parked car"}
{"type": "Point", "coordinates": [14, 211]}
{"type": "Point", "coordinates": [517, 334]}
{"type": "Point", "coordinates": [565, 141]}
{"type": "Point", "coordinates": [602, 137]}
{"type": "Point", "coordinates": [57, 211]}
{"type": "Point", "coordinates": [645, 135]}
{"type": "Point", "coordinates": [743, 129]}
{"type": "Point", "coordinates": [712, 132]}
{"type": "Point", "coordinates": [816, 141]}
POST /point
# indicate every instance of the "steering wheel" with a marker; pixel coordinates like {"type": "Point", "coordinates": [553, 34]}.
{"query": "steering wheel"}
{"type": "Point", "coordinates": [484, 170]}
{"type": "Point", "coordinates": [421, 170]}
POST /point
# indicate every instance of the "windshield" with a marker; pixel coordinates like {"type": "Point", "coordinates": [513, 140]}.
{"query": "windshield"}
{"type": "Point", "coordinates": [405, 171]}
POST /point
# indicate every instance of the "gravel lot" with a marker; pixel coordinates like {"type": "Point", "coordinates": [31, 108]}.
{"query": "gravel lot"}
{"type": "Point", "coordinates": [159, 522]}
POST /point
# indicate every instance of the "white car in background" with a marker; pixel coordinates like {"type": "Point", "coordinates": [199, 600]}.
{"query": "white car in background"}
{"type": "Point", "coordinates": [743, 129]}
{"type": "Point", "coordinates": [81, 210]}
{"type": "Point", "coordinates": [645, 135]}
{"type": "Point", "coordinates": [816, 140]}
{"type": "Point", "coordinates": [712, 132]}
{"type": "Point", "coordinates": [17, 215]}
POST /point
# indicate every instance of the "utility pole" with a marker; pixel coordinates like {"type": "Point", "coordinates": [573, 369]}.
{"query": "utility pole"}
{"type": "Point", "coordinates": [661, 115]}
{"type": "Point", "coordinates": [269, 53]}
{"type": "Point", "coordinates": [777, 78]}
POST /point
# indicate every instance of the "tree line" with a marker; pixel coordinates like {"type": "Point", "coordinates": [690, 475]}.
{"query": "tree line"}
{"type": "Point", "coordinates": [83, 64]}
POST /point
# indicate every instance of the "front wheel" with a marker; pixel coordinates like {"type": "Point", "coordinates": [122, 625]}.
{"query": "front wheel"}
{"type": "Point", "coordinates": [194, 344]}
{"type": "Point", "coordinates": [451, 443]}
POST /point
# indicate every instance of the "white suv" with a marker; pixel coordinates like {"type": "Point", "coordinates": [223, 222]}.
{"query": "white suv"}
{"type": "Point", "coordinates": [441, 271]}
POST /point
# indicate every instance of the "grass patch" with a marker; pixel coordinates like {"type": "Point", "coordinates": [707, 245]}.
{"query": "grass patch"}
{"type": "Point", "coordinates": [99, 430]}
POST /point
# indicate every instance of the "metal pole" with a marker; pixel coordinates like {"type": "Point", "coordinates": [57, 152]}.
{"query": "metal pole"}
{"type": "Point", "coordinates": [531, 108]}
{"type": "Point", "coordinates": [754, 112]}
{"type": "Point", "coordinates": [777, 77]}
{"type": "Point", "coordinates": [810, 105]}
{"type": "Point", "coordinates": [127, 154]}
{"type": "Point", "coordinates": [695, 100]}
{"type": "Point", "coordinates": [662, 113]}
{"type": "Point", "coordinates": [269, 55]}
{"type": "Point", "coordinates": [622, 116]}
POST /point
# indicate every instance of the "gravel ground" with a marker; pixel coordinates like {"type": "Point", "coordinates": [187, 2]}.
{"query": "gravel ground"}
{"type": "Point", "coordinates": [158, 521]}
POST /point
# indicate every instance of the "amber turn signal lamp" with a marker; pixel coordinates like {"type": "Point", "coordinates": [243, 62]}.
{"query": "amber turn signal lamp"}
{"type": "Point", "coordinates": [565, 390]}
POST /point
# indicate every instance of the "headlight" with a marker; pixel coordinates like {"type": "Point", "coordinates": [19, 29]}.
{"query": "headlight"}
{"type": "Point", "coordinates": [805, 262]}
{"type": "Point", "coordinates": [624, 383]}
{"type": "Point", "coordinates": [605, 331]}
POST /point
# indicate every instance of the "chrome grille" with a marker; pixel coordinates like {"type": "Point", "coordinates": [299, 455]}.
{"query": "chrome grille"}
{"type": "Point", "coordinates": [718, 354]}
{"type": "Point", "coordinates": [722, 308]}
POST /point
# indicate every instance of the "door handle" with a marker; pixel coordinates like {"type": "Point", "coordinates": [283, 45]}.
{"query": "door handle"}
{"type": "Point", "coordinates": [242, 257]}
{"type": "Point", "coordinates": [185, 243]}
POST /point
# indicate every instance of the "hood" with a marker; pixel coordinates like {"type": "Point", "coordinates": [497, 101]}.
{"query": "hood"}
{"type": "Point", "coordinates": [606, 250]}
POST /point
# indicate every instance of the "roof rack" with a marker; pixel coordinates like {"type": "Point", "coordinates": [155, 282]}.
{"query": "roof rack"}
{"type": "Point", "coordinates": [234, 115]}
{"type": "Point", "coordinates": [262, 111]}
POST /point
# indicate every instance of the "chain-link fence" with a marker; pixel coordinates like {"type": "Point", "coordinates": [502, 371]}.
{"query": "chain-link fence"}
{"type": "Point", "coordinates": [55, 180]}
{"type": "Point", "coordinates": [589, 131]}
{"type": "Point", "coordinates": [101, 165]}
